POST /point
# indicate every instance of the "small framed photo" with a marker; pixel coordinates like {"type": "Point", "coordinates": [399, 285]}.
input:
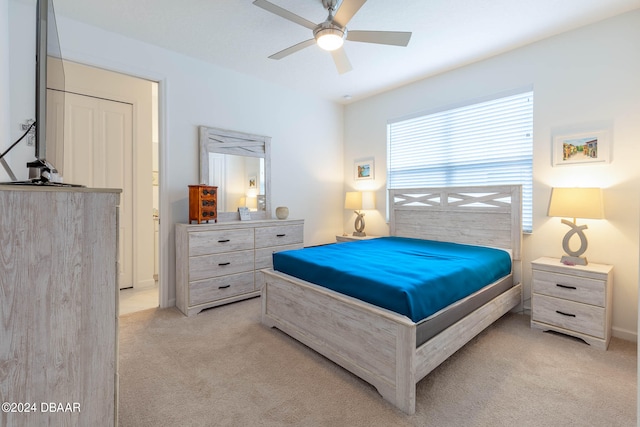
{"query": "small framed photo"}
{"type": "Point", "coordinates": [253, 182]}
{"type": "Point", "coordinates": [364, 169]}
{"type": "Point", "coordinates": [586, 147]}
{"type": "Point", "coordinates": [244, 213]}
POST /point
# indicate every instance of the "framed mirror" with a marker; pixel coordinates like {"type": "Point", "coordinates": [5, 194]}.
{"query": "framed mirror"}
{"type": "Point", "coordinates": [238, 164]}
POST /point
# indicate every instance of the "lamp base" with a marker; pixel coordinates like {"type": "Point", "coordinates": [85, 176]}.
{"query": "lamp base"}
{"type": "Point", "coordinates": [359, 225]}
{"type": "Point", "coordinates": [573, 260]}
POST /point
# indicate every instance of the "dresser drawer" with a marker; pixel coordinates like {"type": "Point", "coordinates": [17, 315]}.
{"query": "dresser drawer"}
{"type": "Point", "coordinates": [583, 318]}
{"type": "Point", "coordinates": [264, 256]}
{"type": "Point", "coordinates": [279, 235]}
{"type": "Point", "coordinates": [579, 289]}
{"type": "Point", "coordinates": [204, 291]}
{"type": "Point", "coordinates": [214, 242]}
{"type": "Point", "coordinates": [216, 265]}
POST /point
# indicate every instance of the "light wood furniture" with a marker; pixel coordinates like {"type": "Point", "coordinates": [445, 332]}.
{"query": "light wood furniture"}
{"type": "Point", "coordinates": [227, 146]}
{"type": "Point", "coordinates": [220, 263]}
{"type": "Point", "coordinates": [59, 304]}
{"type": "Point", "coordinates": [378, 345]}
{"type": "Point", "coordinates": [350, 238]}
{"type": "Point", "coordinates": [203, 203]}
{"type": "Point", "coordinates": [573, 300]}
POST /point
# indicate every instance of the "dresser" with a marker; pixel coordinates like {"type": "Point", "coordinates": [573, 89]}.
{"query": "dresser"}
{"type": "Point", "coordinates": [59, 306]}
{"type": "Point", "coordinates": [573, 300]}
{"type": "Point", "coordinates": [220, 263]}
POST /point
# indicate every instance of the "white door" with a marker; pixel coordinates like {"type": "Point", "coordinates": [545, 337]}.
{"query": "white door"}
{"type": "Point", "coordinates": [98, 152]}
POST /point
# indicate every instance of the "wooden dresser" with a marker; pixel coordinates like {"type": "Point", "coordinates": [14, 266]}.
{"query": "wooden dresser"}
{"type": "Point", "coordinates": [59, 306]}
{"type": "Point", "coordinates": [219, 263]}
{"type": "Point", "coordinates": [203, 203]}
{"type": "Point", "coordinates": [573, 300]}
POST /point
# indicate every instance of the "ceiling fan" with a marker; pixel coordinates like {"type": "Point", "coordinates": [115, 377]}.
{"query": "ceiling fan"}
{"type": "Point", "coordinates": [330, 34]}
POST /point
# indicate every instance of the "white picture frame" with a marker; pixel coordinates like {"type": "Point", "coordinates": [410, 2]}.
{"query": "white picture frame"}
{"type": "Point", "coordinates": [580, 148]}
{"type": "Point", "coordinates": [244, 213]}
{"type": "Point", "coordinates": [364, 169]}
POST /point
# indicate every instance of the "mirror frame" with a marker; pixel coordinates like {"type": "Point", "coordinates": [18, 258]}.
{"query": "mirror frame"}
{"type": "Point", "coordinates": [222, 141]}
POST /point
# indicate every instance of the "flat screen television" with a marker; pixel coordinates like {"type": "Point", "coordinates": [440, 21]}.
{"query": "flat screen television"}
{"type": "Point", "coordinates": [49, 102]}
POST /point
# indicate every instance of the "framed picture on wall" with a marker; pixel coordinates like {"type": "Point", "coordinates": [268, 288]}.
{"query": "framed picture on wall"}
{"type": "Point", "coordinates": [253, 182]}
{"type": "Point", "coordinates": [364, 169]}
{"type": "Point", "coordinates": [585, 147]}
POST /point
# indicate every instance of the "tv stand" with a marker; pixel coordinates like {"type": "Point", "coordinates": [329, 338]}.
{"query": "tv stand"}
{"type": "Point", "coordinates": [41, 182]}
{"type": "Point", "coordinates": [59, 287]}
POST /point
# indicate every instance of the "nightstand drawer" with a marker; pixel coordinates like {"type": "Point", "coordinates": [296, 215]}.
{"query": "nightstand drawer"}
{"type": "Point", "coordinates": [579, 289]}
{"type": "Point", "coordinates": [573, 316]}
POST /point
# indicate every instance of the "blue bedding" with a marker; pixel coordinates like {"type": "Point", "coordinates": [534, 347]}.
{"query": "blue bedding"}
{"type": "Point", "coordinates": [412, 277]}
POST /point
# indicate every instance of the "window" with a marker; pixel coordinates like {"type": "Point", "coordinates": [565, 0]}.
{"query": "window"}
{"type": "Point", "coordinates": [485, 143]}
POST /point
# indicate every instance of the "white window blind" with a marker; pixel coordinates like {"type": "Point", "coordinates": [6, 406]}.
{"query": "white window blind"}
{"type": "Point", "coordinates": [486, 143]}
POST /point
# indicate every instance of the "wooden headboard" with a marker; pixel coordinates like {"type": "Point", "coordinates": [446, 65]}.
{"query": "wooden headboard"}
{"type": "Point", "coordinates": [487, 215]}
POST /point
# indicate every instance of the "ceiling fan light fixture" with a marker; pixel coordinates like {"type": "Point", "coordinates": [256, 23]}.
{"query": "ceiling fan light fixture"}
{"type": "Point", "coordinates": [329, 38]}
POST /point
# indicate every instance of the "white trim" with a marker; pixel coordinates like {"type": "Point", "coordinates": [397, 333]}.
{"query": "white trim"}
{"type": "Point", "coordinates": [164, 228]}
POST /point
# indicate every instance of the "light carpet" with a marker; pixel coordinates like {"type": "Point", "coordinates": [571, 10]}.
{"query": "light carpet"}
{"type": "Point", "coordinates": [223, 368]}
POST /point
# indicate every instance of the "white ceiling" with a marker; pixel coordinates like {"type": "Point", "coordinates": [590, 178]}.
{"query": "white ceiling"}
{"type": "Point", "coordinates": [238, 35]}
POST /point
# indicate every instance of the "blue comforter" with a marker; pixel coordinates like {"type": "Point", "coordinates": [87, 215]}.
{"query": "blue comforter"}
{"type": "Point", "coordinates": [412, 277]}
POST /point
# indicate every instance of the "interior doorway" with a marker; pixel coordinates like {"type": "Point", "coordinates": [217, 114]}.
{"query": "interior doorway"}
{"type": "Point", "coordinates": [99, 92]}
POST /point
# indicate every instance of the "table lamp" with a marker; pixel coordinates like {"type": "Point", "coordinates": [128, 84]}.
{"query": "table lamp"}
{"type": "Point", "coordinates": [575, 203]}
{"type": "Point", "coordinates": [358, 201]}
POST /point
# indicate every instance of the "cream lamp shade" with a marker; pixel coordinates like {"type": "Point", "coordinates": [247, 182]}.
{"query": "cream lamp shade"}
{"type": "Point", "coordinates": [252, 202]}
{"type": "Point", "coordinates": [575, 203]}
{"type": "Point", "coordinates": [358, 201]}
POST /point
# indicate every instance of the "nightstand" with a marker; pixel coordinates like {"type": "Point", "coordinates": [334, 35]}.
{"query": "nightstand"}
{"type": "Point", "coordinates": [573, 300]}
{"type": "Point", "coordinates": [350, 238]}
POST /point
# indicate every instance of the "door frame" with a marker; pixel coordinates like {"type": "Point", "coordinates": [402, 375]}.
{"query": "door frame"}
{"type": "Point", "coordinates": [137, 96]}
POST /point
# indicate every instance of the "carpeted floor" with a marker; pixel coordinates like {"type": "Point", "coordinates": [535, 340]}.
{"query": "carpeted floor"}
{"type": "Point", "coordinates": [223, 368]}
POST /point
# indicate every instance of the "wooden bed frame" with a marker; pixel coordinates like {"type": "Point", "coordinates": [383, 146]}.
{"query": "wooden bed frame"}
{"type": "Point", "coordinates": [378, 345]}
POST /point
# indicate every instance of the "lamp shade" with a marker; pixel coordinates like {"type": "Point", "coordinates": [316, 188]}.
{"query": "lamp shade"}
{"type": "Point", "coordinates": [576, 203]}
{"type": "Point", "coordinates": [357, 200]}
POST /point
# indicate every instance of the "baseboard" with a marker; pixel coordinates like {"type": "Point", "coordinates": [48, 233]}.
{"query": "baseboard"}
{"type": "Point", "coordinates": [624, 334]}
{"type": "Point", "coordinates": [142, 284]}
{"type": "Point", "coordinates": [170, 303]}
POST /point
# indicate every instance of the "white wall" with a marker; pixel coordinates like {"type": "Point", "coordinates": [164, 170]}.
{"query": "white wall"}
{"type": "Point", "coordinates": [306, 132]}
{"type": "Point", "coordinates": [586, 79]}
{"type": "Point", "coordinates": [4, 82]}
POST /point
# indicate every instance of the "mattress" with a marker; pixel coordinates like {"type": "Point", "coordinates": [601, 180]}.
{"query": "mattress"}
{"type": "Point", "coordinates": [412, 277]}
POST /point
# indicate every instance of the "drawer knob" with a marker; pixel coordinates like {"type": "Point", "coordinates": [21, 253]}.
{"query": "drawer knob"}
{"type": "Point", "coordinates": [223, 286]}
{"type": "Point", "coordinates": [565, 314]}
{"type": "Point", "coordinates": [280, 235]}
{"type": "Point", "coordinates": [221, 264]}
{"type": "Point", "coordinates": [224, 241]}
{"type": "Point", "coordinates": [565, 286]}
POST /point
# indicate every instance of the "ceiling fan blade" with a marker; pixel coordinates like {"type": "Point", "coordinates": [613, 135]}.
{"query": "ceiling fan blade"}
{"type": "Point", "coordinates": [347, 9]}
{"type": "Point", "coordinates": [342, 62]}
{"type": "Point", "coordinates": [293, 49]}
{"type": "Point", "coordinates": [396, 38]}
{"type": "Point", "coordinates": [284, 13]}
